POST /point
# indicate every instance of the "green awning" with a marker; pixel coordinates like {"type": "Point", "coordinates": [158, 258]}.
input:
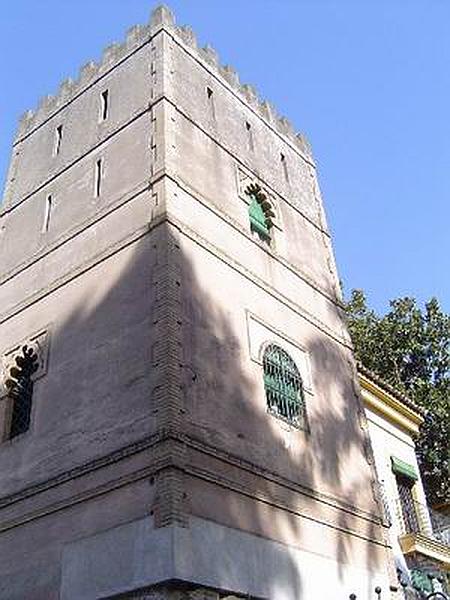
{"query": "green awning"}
{"type": "Point", "coordinates": [400, 467]}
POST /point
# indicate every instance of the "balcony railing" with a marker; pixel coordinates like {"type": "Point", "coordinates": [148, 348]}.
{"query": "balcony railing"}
{"type": "Point", "coordinates": [418, 518]}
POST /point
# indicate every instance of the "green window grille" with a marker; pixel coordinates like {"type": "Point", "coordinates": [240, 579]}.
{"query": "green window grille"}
{"type": "Point", "coordinates": [258, 219]}
{"type": "Point", "coordinates": [284, 387]}
{"type": "Point", "coordinates": [421, 581]}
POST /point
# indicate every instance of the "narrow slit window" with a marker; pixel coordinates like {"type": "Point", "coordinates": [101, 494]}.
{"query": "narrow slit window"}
{"type": "Point", "coordinates": [104, 105]}
{"type": "Point", "coordinates": [284, 166]}
{"type": "Point", "coordinates": [58, 139]}
{"type": "Point", "coordinates": [47, 214]}
{"type": "Point", "coordinates": [248, 127]}
{"type": "Point", "coordinates": [212, 107]}
{"type": "Point", "coordinates": [98, 177]}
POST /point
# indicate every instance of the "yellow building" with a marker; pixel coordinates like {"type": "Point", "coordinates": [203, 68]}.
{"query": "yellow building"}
{"type": "Point", "coordinates": [420, 537]}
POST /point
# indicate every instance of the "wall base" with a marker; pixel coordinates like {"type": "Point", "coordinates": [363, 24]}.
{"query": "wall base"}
{"type": "Point", "coordinates": [136, 556]}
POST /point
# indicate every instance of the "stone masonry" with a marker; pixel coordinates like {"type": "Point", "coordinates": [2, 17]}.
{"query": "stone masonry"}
{"type": "Point", "coordinates": [152, 467]}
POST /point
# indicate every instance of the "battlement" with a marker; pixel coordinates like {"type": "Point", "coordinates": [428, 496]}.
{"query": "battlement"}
{"type": "Point", "coordinates": [161, 18]}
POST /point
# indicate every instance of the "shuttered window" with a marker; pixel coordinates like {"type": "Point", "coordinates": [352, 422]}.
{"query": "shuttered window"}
{"type": "Point", "coordinates": [260, 212]}
{"type": "Point", "coordinates": [258, 220]}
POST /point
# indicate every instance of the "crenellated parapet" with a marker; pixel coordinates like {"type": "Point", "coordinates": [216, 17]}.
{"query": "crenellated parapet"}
{"type": "Point", "coordinates": [161, 18]}
{"type": "Point", "coordinates": [266, 110]}
{"type": "Point", "coordinates": [88, 74]}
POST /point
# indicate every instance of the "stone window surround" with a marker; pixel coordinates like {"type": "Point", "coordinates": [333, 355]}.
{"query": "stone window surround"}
{"type": "Point", "coordinates": [244, 180]}
{"type": "Point", "coordinates": [39, 342]}
{"type": "Point", "coordinates": [261, 334]}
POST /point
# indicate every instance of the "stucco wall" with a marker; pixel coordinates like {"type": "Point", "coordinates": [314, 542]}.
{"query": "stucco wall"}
{"type": "Point", "coordinates": [389, 440]}
{"type": "Point", "coordinates": [152, 410]}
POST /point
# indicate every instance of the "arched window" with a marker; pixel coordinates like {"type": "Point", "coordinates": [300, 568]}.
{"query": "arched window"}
{"type": "Point", "coordinates": [284, 386]}
{"type": "Point", "coordinates": [20, 390]}
{"type": "Point", "coordinates": [260, 212]}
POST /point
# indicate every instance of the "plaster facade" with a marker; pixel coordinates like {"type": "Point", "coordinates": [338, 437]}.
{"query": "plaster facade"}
{"type": "Point", "coordinates": [151, 458]}
{"type": "Point", "coordinates": [420, 543]}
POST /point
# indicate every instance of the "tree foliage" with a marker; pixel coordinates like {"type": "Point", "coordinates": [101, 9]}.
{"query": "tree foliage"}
{"type": "Point", "coordinates": [409, 347]}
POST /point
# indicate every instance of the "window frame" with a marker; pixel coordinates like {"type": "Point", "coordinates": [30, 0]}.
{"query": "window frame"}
{"type": "Point", "coordinates": [39, 341]}
{"type": "Point", "coordinates": [260, 213]}
{"type": "Point", "coordinates": [291, 372]}
{"type": "Point", "coordinates": [19, 391]}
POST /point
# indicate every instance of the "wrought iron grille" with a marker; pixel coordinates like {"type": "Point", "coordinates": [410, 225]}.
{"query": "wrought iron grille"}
{"type": "Point", "coordinates": [409, 514]}
{"type": "Point", "coordinates": [20, 390]}
{"type": "Point", "coordinates": [414, 517]}
{"type": "Point", "coordinates": [284, 386]}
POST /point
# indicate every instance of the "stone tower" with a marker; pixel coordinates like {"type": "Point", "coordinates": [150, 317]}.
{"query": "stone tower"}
{"type": "Point", "coordinates": [180, 416]}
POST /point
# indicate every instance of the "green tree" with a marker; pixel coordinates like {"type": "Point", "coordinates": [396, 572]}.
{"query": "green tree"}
{"type": "Point", "coordinates": [409, 347]}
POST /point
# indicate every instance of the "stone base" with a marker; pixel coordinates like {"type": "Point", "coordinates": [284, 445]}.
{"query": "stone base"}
{"type": "Point", "coordinates": [205, 561]}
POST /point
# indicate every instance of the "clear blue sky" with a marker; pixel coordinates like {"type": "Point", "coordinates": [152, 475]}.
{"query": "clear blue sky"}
{"type": "Point", "coordinates": [367, 81]}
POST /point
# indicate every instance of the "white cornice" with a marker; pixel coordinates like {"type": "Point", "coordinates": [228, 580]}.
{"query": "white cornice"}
{"type": "Point", "coordinates": [391, 408]}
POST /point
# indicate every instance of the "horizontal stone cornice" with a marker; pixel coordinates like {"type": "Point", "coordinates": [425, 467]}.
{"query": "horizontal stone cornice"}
{"type": "Point", "coordinates": [107, 136]}
{"type": "Point", "coordinates": [250, 275]}
{"type": "Point", "coordinates": [167, 447]}
{"type": "Point", "coordinates": [70, 234]}
{"type": "Point", "coordinates": [67, 277]}
{"type": "Point", "coordinates": [207, 202]}
{"type": "Point", "coordinates": [135, 236]}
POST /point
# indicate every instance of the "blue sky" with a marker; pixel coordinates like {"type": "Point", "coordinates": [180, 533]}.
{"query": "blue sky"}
{"type": "Point", "coordinates": [367, 81]}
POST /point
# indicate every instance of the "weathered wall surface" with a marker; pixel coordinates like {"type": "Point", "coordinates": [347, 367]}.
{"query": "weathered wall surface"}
{"type": "Point", "coordinates": [129, 83]}
{"type": "Point", "coordinates": [229, 272]}
{"type": "Point", "coordinates": [149, 425]}
{"type": "Point", "coordinates": [84, 276]}
{"type": "Point", "coordinates": [216, 127]}
{"type": "Point", "coordinates": [32, 553]}
{"type": "Point", "coordinates": [94, 396]}
{"type": "Point", "coordinates": [314, 489]}
{"type": "Point", "coordinates": [86, 284]}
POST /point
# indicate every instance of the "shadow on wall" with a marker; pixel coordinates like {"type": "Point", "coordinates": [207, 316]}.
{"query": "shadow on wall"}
{"type": "Point", "coordinates": [98, 397]}
{"type": "Point", "coordinates": [225, 408]}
